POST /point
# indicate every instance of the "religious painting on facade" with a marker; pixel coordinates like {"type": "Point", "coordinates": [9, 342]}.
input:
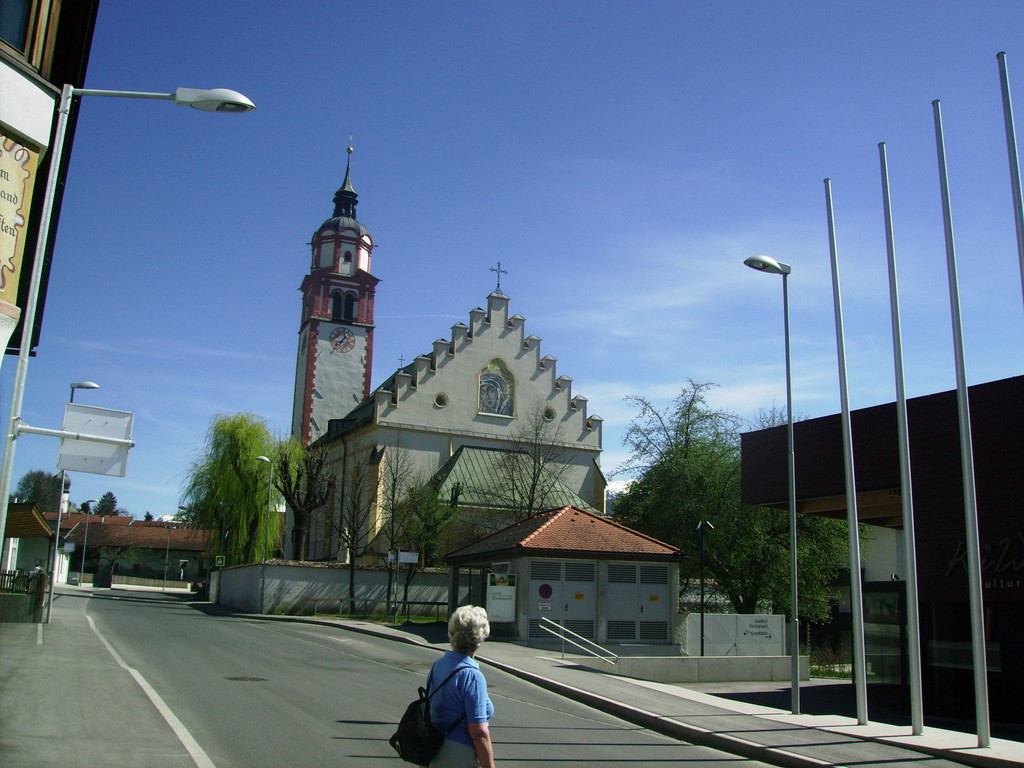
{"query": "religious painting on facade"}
{"type": "Point", "coordinates": [497, 389]}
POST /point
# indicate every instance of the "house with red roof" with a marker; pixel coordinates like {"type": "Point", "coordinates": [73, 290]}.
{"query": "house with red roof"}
{"type": "Point", "coordinates": [583, 571]}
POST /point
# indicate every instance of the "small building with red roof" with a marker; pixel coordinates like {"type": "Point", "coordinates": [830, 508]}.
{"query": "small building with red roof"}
{"type": "Point", "coordinates": [593, 576]}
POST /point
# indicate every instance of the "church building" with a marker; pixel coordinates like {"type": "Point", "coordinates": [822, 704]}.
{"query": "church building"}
{"type": "Point", "coordinates": [484, 414]}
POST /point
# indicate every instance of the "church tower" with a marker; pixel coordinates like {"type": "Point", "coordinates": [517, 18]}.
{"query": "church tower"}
{"type": "Point", "coordinates": [332, 375]}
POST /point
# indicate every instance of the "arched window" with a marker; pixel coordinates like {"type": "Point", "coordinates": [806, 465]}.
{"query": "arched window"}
{"type": "Point", "coordinates": [497, 389]}
{"type": "Point", "coordinates": [350, 306]}
{"type": "Point", "coordinates": [336, 306]}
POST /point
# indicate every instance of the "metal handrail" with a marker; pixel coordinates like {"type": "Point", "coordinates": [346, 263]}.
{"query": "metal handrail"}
{"type": "Point", "coordinates": [559, 631]}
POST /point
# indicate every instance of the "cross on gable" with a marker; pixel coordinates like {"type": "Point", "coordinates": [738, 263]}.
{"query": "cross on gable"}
{"type": "Point", "coordinates": [499, 271]}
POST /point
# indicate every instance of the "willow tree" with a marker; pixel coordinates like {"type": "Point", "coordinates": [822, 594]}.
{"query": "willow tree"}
{"type": "Point", "coordinates": [228, 490]}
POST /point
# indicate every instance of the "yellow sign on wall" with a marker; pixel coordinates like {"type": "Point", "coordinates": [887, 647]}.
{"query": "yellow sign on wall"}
{"type": "Point", "coordinates": [17, 175]}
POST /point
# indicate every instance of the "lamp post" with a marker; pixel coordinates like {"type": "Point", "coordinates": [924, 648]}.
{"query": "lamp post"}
{"type": "Point", "coordinates": [215, 100]}
{"type": "Point", "coordinates": [88, 517]}
{"type": "Point", "coordinates": [771, 266]}
{"type": "Point", "coordinates": [270, 485]}
{"type": "Point", "coordinates": [701, 526]}
{"type": "Point", "coordinates": [65, 485]}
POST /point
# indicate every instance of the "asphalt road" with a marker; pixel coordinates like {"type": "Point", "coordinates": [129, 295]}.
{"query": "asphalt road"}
{"type": "Point", "coordinates": [228, 692]}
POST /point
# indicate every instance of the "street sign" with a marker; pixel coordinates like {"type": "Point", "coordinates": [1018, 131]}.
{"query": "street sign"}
{"type": "Point", "coordinates": [82, 454]}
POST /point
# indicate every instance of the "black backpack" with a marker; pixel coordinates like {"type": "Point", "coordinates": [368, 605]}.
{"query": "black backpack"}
{"type": "Point", "coordinates": [417, 740]}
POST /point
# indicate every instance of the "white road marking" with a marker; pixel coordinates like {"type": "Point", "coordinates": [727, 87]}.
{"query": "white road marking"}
{"type": "Point", "coordinates": [199, 756]}
{"type": "Point", "coordinates": [39, 634]}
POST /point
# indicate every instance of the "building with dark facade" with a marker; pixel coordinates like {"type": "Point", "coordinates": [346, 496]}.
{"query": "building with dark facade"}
{"type": "Point", "coordinates": [997, 427]}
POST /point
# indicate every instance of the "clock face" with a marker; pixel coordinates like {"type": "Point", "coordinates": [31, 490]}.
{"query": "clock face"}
{"type": "Point", "coordinates": [342, 340]}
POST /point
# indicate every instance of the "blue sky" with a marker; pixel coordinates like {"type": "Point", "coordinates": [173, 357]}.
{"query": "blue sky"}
{"type": "Point", "coordinates": [619, 159]}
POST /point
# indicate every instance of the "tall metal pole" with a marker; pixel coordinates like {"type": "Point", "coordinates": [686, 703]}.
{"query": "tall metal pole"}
{"type": "Point", "coordinates": [906, 483]}
{"type": "Point", "coordinates": [770, 265]}
{"type": "Point", "coordinates": [85, 544]}
{"type": "Point", "coordinates": [794, 625]}
{"type": "Point", "coordinates": [1011, 148]}
{"type": "Point", "coordinates": [215, 100]}
{"type": "Point", "coordinates": [167, 557]}
{"type": "Point", "coordinates": [701, 526]}
{"type": "Point", "coordinates": [966, 455]}
{"type": "Point", "coordinates": [65, 486]}
{"type": "Point", "coordinates": [28, 317]}
{"type": "Point", "coordinates": [852, 522]}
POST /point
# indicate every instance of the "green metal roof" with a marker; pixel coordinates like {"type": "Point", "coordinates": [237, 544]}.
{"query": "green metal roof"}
{"type": "Point", "coordinates": [491, 478]}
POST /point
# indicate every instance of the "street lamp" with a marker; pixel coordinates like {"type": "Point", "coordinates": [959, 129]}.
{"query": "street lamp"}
{"type": "Point", "coordinates": [270, 486]}
{"type": "Point", "coordinates": [701, 526]}
{"type": "Point", "coordinates": [771, 266]}
{"type": "Point", "coordinates": [65, 484]}
{"type": "Point", "coordinates": [82, 385]}
{"type": "Point", "coordinates": [215, 100]}
{"type": "Point", "coordinates": [88, 517]}
{"type": "Point", "coordinates": [167, 554]}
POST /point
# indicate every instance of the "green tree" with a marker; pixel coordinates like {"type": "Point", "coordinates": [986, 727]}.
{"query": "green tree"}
{"type": "Point", "coordinates": [41, 488]}
{"type": "Point", "coordinates": [688, 460]}
{"type": "Point", "coordinates": [228, 491]}
{"type": "Point", "coordinates": [107, 505]}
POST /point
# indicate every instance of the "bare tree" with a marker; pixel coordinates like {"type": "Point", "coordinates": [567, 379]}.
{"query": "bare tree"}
{"type": "Point", "coordinates": [528, 475]}
{"type": "Point", "coordinates": [306, 485]}
{"type": "Point", "coordinates": [396, 482]}
{"type": "Point", "coordinates": [349, 513]}
{"type": "Point", "coordinates": [427, 519]}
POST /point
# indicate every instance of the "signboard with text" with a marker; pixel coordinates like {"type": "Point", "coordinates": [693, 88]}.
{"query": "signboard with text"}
{"type": "Point", "coordinates": [501, 596]}
{"type": "Point", "coordinates": [17, 176]}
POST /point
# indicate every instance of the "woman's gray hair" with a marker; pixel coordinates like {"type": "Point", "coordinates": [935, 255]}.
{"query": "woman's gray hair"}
{"type": "Point", "coordinates": [468, 628]}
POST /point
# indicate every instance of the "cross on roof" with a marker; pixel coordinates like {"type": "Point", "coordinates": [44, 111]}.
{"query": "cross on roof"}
{"type": "Point", "coordinates": [499, 272]}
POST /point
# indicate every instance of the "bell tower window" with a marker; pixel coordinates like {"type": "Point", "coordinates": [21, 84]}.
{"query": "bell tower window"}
{"type": "Point", "coordinates": [497, 389]}
{"type": "Point", "coordinates": [350, 306]}
{"type": "Point", "coordinates": [336, 306]}
{"type": "Point", "coordinates": [325, 256]}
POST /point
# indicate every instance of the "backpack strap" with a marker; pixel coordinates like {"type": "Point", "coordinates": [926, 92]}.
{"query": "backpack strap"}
{"type": "Point", "coordinates": [430, 693]}
{"type": "Point", "coordinates": [445, 681]}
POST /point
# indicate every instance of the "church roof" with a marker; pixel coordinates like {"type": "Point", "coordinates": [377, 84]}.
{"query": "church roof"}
{"type": "Point", "coordinates": [482, 476]}
{"type": "Point", "coordinates": [338, 223]}
{"type": "Point", "coordinates": [565, 532]}
{"type": "Point", "coordinates": [345, 201]}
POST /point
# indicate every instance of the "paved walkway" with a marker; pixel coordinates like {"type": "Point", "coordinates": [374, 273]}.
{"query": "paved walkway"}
{"type": "Point", "coordinates": [749, 730]}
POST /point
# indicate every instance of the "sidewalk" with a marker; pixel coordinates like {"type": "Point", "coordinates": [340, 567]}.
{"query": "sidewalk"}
{"type": "Point", "coordinates": [749, 730]}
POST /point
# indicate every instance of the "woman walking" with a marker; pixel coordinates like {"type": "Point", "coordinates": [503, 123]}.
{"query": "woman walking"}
{"type": "Point", "coordinates": [461, 708]}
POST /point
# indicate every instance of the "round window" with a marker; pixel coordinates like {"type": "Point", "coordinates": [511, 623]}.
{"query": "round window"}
{"type": "Point", "coordinates": [440, 400]}
{"type": "Point", "coordinates": [549, 414]}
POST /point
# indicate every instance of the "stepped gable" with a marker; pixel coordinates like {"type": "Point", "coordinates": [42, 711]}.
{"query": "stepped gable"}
{"type": "Point", "coordinates": [417, 384]}
{"type": "Point", "coordinates": [567, 532]}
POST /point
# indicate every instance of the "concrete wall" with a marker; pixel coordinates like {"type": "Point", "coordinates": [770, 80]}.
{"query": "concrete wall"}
{"type": "Point", "coordinates": [696, 669]}
{"type": "Point", "coordinates": [301, 589]}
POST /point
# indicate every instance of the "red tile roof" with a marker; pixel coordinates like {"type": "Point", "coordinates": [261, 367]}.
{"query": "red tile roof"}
{"type": "Point", "coordinates": [121, 531]}
{"type": "Point", "coordinates": [566, 532]}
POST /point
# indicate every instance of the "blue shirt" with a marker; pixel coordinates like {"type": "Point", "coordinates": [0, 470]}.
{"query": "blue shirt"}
{"type": "Point", "coordinates": [465, 693]}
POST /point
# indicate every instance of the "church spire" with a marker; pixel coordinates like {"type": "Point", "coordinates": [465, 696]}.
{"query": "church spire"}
{"type": "Point", "coordinates": [345, 199]}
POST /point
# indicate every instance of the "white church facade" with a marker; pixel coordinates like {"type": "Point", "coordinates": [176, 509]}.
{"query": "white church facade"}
{"type": "Point", "coordinates": [482, 394]}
